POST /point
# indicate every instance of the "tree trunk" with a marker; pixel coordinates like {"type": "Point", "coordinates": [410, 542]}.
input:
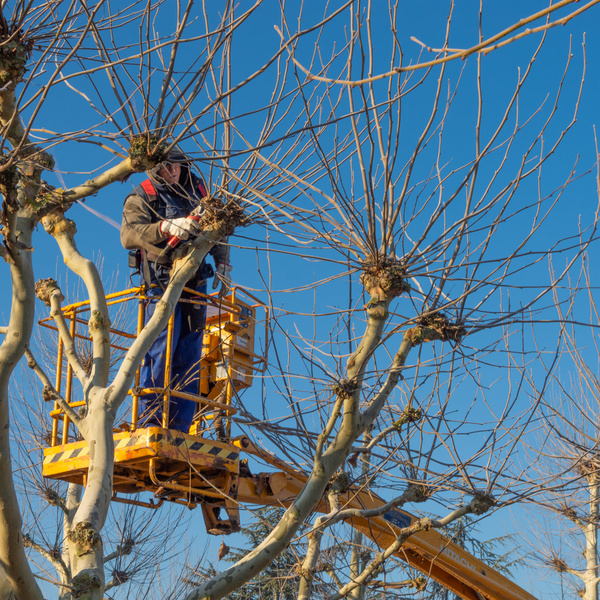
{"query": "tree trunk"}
{"type": "Point", "coordinates": [12, 550]}
{"type": "Point", "coordinates": [591, 541]}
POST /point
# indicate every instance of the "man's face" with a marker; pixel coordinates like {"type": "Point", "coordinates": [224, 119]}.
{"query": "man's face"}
{"type": "Point", "coordinates": [170, 173]}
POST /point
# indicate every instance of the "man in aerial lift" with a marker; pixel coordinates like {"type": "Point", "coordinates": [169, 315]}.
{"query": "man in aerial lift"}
{"type": "Point", "coordinates": [158, 213]}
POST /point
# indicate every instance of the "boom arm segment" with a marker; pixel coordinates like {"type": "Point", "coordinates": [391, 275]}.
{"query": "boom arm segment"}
{"type": "Point", "coordinates": [428, 551]}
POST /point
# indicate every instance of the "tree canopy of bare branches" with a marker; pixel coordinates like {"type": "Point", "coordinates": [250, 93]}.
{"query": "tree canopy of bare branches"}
{"type": "Point", "coordinates": [407, 216]}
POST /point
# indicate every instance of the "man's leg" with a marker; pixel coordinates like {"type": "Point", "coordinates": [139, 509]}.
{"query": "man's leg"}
{"type": "Point", "coordinates": [152, 372]}
{"type": "Point", "coordinates": [186, 362]}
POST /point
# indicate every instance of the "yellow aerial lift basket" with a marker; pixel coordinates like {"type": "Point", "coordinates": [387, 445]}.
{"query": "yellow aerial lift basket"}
{"type": "Point", "coordinates": [198, 466]}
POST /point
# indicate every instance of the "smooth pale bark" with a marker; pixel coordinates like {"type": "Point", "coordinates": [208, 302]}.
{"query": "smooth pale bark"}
{"type": "Point", "coordinates": [590, 531]}
{"type": "Point", "coordinates": [309, 563]}
{"type": "Point", "coordinates": [74, 494]}
{"type": "Point", "coordinates": [5, 588]}
{"type": "Point", "coordinates": [63, 231]}
{"type": "Point", "coordinates": [16, 339]}
{"type": "Point", "coordinates": [588, 525]}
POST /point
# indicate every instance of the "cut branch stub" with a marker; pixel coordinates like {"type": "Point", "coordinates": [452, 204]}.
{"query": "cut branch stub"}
{"type": "Point", "coordinates": [44, 288]}
{"type": "Point", "coordinates": [385, 280]}
{"type": "Point", "coordinates": [435, 327]}
{"type": "Point", "coordinates": [85, 538]}
{"type": "Point", "coordinates": [306, 572]}
{"type": "Point", "coordinates": [14, 53]}
{"type": "Point", "coordinates": [8, 178]}
{"type": "Point", "coordinates": [557, 563]}
{"type": "Point", "coordinates": [52, 496]}
{"type": "Point", "coordinates": [417, 492]}
{"type": "Point", "coordinates": [409, 415]}
{"type": "Point", "coordinates": [98, 321]}
{"type": "Point", "coordinates": [590, 469]}
{"type": "Point", "coordinates": [46, 199]}
{"type": "Point", "coordinates": [145, 152]}
{"type": "Point", "coordinates": [55, 224]}
{"type": "Point", "coordinates": [49, 394]}
{"type": "Point", "coordinates": [340, 482]}
{"type": "Point", "coordinates": [345, 389]}
{"type": "Point", "coordinates": [481, 503]}
{"type": "Point", "coordinates": [85, 582]}
{"type": "Point", "coordinates": [569, 512]}
{"type": "Point", "coordinates": [218, 216]}
{"type": "Point", "coordinates": [35, 159]}
{"type": "Point", "coordinates": [120, 577]}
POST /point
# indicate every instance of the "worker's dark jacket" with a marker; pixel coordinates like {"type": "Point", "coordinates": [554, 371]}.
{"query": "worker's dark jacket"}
{"type": "Point", "coordinates": [142, 216]}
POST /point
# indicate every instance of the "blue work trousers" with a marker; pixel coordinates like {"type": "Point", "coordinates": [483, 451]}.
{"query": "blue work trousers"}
{"type": "Point", "coordinates": [186, 351]}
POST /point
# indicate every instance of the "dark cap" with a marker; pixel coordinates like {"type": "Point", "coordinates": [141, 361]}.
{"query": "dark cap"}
{"type": "Point", "coordinates": [175, 156]}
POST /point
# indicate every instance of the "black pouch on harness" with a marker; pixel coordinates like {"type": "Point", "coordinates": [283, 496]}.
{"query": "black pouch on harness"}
{"type": "Point", "coordinates": [135, 259]}
{"type": "Point", "coordinates": [195, 314]}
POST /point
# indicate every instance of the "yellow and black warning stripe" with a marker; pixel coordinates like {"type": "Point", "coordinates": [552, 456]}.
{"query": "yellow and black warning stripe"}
{"type": "Point", "coordinates": [83, 450]}
{"type": "Point", "coordinates": [66, 454]}
{"type": "Point", "coordinates": [194, 445]}
{"type": "Point", "coordinates": [124, 441]}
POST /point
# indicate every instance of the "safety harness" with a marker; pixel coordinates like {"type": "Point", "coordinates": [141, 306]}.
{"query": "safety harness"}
{"type": "Point", "coordinates": [136, 259]}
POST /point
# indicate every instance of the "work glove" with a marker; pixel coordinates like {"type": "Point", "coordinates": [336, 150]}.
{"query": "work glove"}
{"type": "Point", "coordinates": [222, 277]}
{"type": "Point", "coordinates": [181, 228]}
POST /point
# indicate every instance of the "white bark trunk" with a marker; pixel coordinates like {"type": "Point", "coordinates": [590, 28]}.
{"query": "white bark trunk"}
{"type": "Point", "coordinates": [5, 588]}
{"type": "Point", "coordinates": [590, 531]}
{"type": "Point", "coordinates": [74, 494]}
{"type": "Point", "coordinates": [12, 551]}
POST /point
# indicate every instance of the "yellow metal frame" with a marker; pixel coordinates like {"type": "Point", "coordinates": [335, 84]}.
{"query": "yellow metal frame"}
{"type": "Point", "coordinates": [184, 468]}
{"type": "Point", "coordinates": [230, 313]}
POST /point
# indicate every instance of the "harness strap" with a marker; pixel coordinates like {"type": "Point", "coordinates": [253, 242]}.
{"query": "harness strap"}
{"type": "Point", "coordinates": [146, 269]}
{"type": "Point", "coordinates": [150, 192]}
{"type": "Point", "coordinates": [149, 188]}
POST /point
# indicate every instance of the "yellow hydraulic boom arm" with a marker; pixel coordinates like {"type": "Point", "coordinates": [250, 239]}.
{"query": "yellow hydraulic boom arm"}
{"type": "Point", "coordinates": [428, 551]}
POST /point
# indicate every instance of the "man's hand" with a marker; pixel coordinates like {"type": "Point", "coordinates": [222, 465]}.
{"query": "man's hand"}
{"type": "Point", "coordinates": [222, 276]}
{"type": "Point", "coordinates": [181, 228]}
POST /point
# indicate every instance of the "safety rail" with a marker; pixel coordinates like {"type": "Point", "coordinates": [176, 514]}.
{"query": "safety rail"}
{"type": "Point", "coordinates": [228, 360]}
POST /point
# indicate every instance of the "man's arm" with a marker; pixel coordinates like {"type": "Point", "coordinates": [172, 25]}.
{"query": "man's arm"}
{"type": "Point", "coordinates": [220, 252]}
{"type": "Point", "coordinates": [140, 229]}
